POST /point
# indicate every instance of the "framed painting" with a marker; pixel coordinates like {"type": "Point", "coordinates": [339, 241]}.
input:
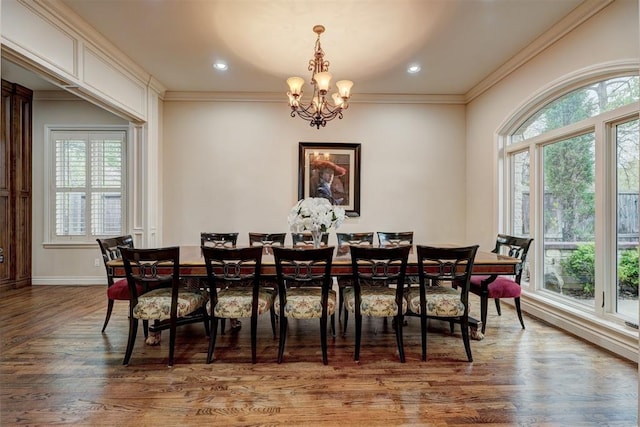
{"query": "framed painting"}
{"type": "Point", "coordinates": [330, 170]}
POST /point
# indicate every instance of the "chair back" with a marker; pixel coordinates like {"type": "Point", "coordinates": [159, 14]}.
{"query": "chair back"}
{"type": "Point", "coordinates": [110, 249]}
{"type": "Point", "coordinates": [228, 240]}
{"type": "Point", "coordinates": [232, 267]}
{"type": "Point", "coordinates": [151, 269]}
{"type": "Point", "coordinates": [267, 240]}
{"type": "Point", "coordinates": [515, 247]}
{"type": "Point", "coordinates": [395, 238]}
{"type": "Point", "coordinates": [379, 266]}
{"type": "Point", "coordinates": [297, 267]}
{"type": "Point", "coordinates": [305, 239]}
{"type": "Point", "coordinates": [355, 238]}
{"type": "Point", "coordinates": [440, 265]}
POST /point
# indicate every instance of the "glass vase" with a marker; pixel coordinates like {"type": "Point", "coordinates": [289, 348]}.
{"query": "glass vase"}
{"type": "Point", "coordinates": [316, 235]}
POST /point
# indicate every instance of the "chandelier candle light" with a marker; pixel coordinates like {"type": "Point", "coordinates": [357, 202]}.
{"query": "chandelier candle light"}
{"type": "Point", "coordinates": [317, 215]}
{"type": "Point", "coordinates": [319, 110]}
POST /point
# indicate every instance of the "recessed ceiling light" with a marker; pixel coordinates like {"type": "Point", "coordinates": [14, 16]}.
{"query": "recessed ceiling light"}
{"type": "Point", "coordinates": [413, 69]}
{"type": "Point", "coordinates": [221, 66]}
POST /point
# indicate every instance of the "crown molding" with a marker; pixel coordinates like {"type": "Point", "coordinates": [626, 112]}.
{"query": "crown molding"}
{"type": "Point", "coordinates": [365, 98]}
{"type": "Point", "coordinates": [563, 27]}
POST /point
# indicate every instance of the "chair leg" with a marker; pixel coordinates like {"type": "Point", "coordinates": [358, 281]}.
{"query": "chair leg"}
{"type": "Point", "coordinates": [254, 332]}
{"type": "Point", "coordinates": [497, 301]}
{"type": "Point", "coordinates": [108, 316]}
{"type": "Point", "coordinates": [399, 324]}
{"type": "Point", "coordinates": [423, 332]}
{"type": "Point", "coordinates": [517, 302]}
{"type": "Point", "coordinates": [345, 321]}
{"type": "Point", "coordinates": [133, 329]}
{"type": "Point", "coordinates": [145, 329]}
{"type": "Point", "coordinates": [340, 301]}
{"type": "Point", "coordinates": [356, 355]}
{"type": "Point", "coordinates": [212, 338]}
{"type": "Point", "coordinates": [323, 339]}
{"type": "Point", "coordinates": [172, 340]}
{"type": "Point", "coordinates": [283, 337]}
{"type": "Point", "coordinates": [465, 338]}
{"type": "Point", "coordinates": [484, 303]}
{"type": "Point", "coordinates": [222, 325]}
{"type": "Point", "coordinates": [205, 318]}
{"type": "Point", "coordinates": [333, 325]}
{"type": "Point", "coordinates": [273, 321]}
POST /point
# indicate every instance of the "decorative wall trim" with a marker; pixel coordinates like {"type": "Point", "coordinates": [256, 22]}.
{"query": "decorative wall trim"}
{"type": "Point", "coordinates": [70, 281]}
{"type": "Point", "coordinates": [609, 336]}
{"type": "Point", "coordinates": [577, 16]}
{"type": "Point", "coordinates": [280, 97]}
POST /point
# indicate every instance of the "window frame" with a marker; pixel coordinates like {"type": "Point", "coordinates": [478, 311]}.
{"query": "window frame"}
{"type": "Point", "coordinates": [50, 239]}
{"type": "Point", "coordinates": [603, 127]}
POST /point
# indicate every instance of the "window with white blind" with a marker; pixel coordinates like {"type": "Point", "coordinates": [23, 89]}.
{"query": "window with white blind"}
{"type": "Point", "coordinates": [87, 199]}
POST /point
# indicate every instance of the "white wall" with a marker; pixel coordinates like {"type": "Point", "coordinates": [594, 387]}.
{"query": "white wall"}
{"type": "Point", "coordinates": [55, 265]}
{"type": "Point", "coordinates": [612, 35]}
{"type": "Point", "coordinates": [233, 166]}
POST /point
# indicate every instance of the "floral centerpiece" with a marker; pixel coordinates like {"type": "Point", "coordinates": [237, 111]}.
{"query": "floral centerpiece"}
{"type": "Point", "coordinates": [317, 215]}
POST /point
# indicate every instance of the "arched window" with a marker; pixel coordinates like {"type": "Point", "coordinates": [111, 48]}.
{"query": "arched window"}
{"type": "Point", "coordinates": [571, 181]}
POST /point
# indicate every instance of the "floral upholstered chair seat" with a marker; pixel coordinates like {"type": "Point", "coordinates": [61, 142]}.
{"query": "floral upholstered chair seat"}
{"type": "Point", "coordinates": [442, 301]}
{"type": "Point", "coordinates": [376, 301]}
{"type": "Point", "coordinates": [156, 304]}
{"type": "Point", "coordinates": [237, 302]}
{"type": "Point", "coordinates": [306, 303]}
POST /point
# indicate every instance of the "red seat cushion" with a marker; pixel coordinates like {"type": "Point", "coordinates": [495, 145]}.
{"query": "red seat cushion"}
{"type": "Point", "coordinates": [120, 290]}
{"type": "Point", "coordinates": [502, 287]}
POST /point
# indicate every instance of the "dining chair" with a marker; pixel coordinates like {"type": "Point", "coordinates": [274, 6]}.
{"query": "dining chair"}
{"type": "Point", "coordinates": [228, 240]}
{"type": "Point", "coordinates": [345, 240]}
{"type": "Point", "coordinates": [433, 299]}
{"type": "Point", "coordinates": [235, 291]}
{"type": "Point", "coordinates": [162, 298]}
{"type": "Point", "coordinates": [498, 287]}
{"type": "Point", "coordinates": [304, 290]}
{"type": "Point", "coordinates": [305, 239]}
{"type": "Point", "coordinates": [117, 290]}
{"type": "Point", "coordinates": [221, 240]}
{"type": "Point", "coordinates": [267, 240]}
{"type": "Point", "coordinates": [377, 291]}
{"type": "Point", "coordinates": [395, 238]}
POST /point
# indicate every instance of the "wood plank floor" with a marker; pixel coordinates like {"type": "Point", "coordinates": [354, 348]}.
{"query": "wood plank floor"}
{"type": "Point", "coordinates": [56, 368]}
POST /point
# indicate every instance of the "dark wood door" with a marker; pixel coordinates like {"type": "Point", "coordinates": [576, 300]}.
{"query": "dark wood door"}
{"type": "Point", "coordinates": [15, 186]}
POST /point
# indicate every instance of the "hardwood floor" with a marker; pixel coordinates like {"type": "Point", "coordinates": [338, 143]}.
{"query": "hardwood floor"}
{"type": "Point", "coordinates": [57, 368]}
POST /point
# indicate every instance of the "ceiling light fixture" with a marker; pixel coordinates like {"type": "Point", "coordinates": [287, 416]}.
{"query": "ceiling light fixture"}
{"type": "Point", "coordinates": [319, 110]}
{"type": "Point", "coordinates": [221, 66]}
{"type": "Point", "coordinates": [413, 69]}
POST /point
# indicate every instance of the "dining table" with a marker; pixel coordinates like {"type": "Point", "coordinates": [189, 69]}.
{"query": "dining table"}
{"type": "Point", "coordinates": [192, 265]}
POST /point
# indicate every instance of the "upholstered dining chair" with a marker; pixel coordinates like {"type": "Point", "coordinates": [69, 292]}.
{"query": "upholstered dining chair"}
{"type": "Point", "coordinates": [221, 240]}
{"type": "Point", "coordinates": [395, 238]}
{"type": "Point", "coordinates": [234, 290]}
{"type": "Point", "coordinates": [116, 289]}
{"type": "Point", "coordinates": [345, 240]}
{"type": "Point", "coordinates": [228, 240]}
{"type": "Point", "coordinates": [267, 240]}
{"type": "Point", "coordinates": [305, 239]}
{"type": "Point", "coordinates": [162, 298]}
{"type": "Point", "coordinates": [377, 291]}
{"type": "Point", "coordinates": [304, 290]}
{"type": "Point", "coordinates": [434, 299]}
{"type": "Point", "coordinates": [502, 286]}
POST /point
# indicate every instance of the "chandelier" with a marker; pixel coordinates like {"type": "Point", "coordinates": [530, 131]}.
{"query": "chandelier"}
{"type": "Point", "coordinates": [320, 109]}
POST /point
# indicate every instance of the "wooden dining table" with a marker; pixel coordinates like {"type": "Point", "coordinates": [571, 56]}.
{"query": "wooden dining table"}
{"type": "Point", "coordinates": [192, 265]}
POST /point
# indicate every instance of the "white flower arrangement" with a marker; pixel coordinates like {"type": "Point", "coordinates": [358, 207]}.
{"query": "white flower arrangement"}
{"type": "Point", "coordinates": [315, 214]}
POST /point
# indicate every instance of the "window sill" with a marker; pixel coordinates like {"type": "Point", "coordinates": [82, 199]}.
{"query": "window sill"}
{"type": "Point", "coordinates": [70, 245]}
{"type": "Point", "coordinates": [612, 336]}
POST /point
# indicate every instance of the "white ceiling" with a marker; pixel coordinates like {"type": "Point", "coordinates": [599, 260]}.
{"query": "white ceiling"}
{"type": "Point", "coordinates": [458, 43]}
